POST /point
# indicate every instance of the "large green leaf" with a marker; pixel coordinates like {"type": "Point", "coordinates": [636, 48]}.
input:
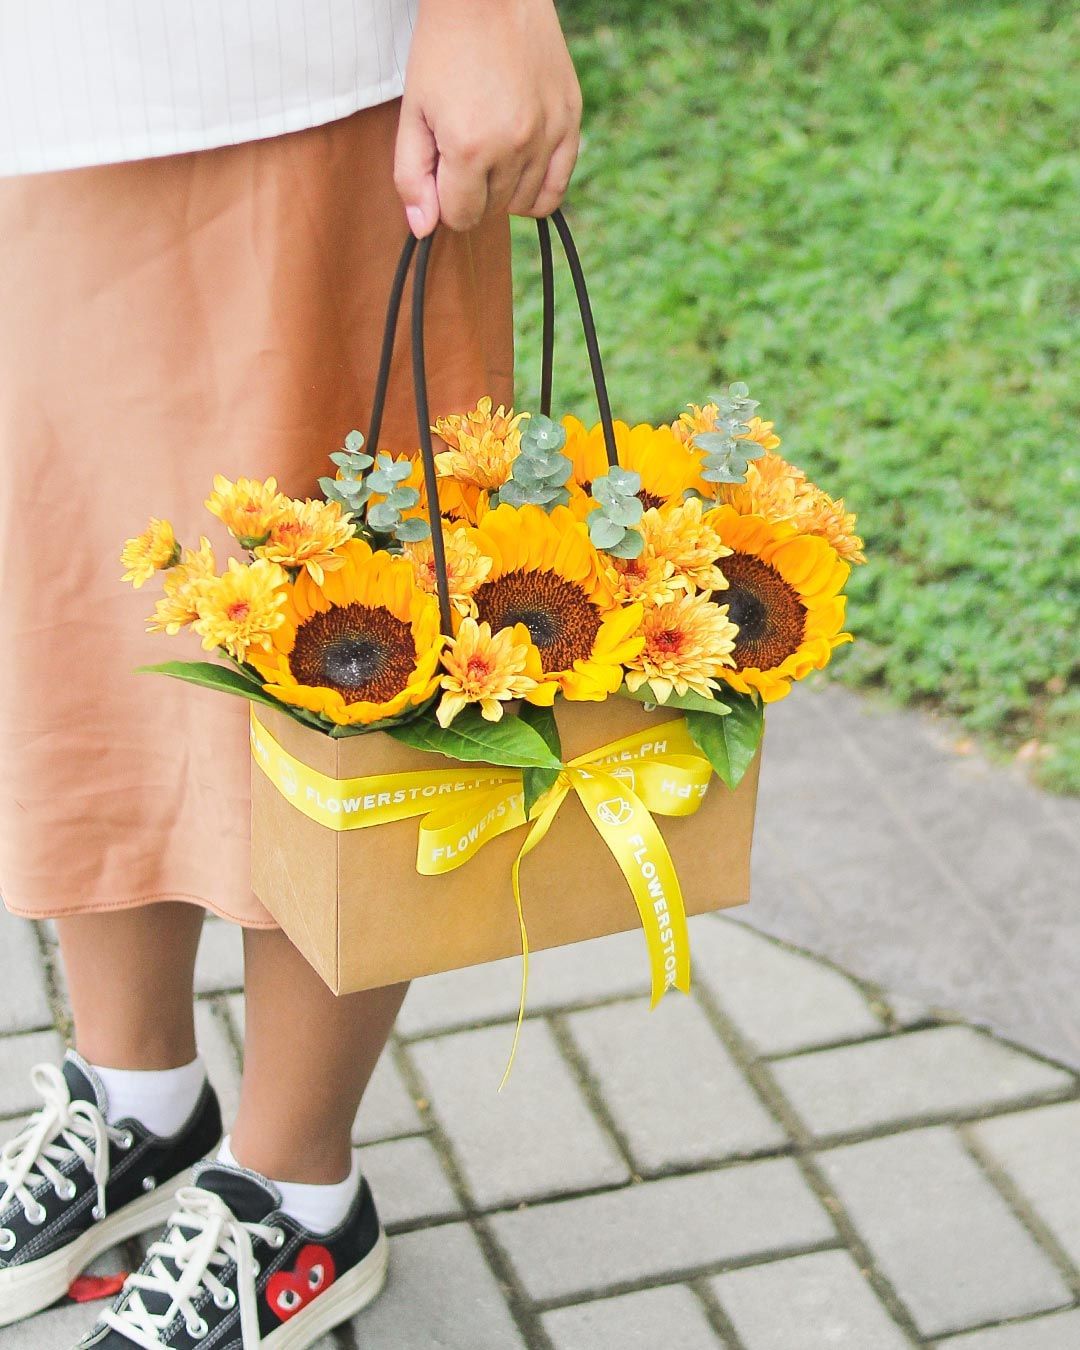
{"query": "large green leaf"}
{"type": "Point", "coordinates": [471, 737]}
{"type": "Point", "coordinates": [730, 743]}
{"type": "Point", "coordinates": [226, 681]}
{"type": "Point", "coordinates": [537, 781]}
{"type": "Point", "coordinates": [689, 701]}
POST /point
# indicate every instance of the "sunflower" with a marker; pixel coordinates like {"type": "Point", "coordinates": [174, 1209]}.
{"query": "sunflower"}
{"type": "Point", "coordinates": [667, 467]}
{"type": "Point", "coordinates": [466, 567]}
{"type": "Point", "coordinates": [242, 608]}
{"type": "Point", "coordinates": [688, 642]}
{"type": "Point", "coordinates": [307, 534]}
{"type": "Point", "coordinates": [681, 535]}
{"type": "Point", "coordinates": [361, 646]}
{"type": "Point", "coordinates": [481, 448]}
{"type": "Point", "coordinates": [247, 508]}
{"type": "Point", "coordinates": [698, 419]}
{"type": "Point", "coordinates": [152, 551]}
{"type": "Point", "coordinates": [184, 584]}
{"type": "Point", "coordinates": [546, 575]}
{"type": "Point", "coordinates": [783, 593]}
{"type": "Point", "coordinates": [489, 670]}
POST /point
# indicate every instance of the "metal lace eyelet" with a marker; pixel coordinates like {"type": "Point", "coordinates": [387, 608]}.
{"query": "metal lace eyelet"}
{"type": "Point", "coordinates": [7, 1239]}
{"type": "Point", "coordinates": [125, 1140]}
{"type": "Point", "coordinates": [277, 1238]}
{"type": "Point", "coordinates": [225, 1300]}
{"type": "Point", "coordinates": [149, 1183]}
{"type": "Point", "coordinates": [197, 1330]}
{"type": "Point", "coordinates": [97, 1213]}
{"type": "Point", "coordinates": [66, 1191]}
{"type": "Point", "coordinates": [256, 1269]}
{"type": "Point", "coordinates": [37, 1217]}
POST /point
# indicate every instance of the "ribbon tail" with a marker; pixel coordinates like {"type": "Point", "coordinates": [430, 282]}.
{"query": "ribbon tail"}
{"type": "Point", "coordinates": [539, 829]}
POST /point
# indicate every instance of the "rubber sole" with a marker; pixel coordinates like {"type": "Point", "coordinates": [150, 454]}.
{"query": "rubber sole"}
{"type": "Point", "coordinates": [344, 1299]}
{"type": "Point", "coordinates": [26, 1290]}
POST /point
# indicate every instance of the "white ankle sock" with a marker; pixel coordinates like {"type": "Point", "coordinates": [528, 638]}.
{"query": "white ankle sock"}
{"type": "Point", "coordinates": [160, 1099]}
{"type": "Point", "coordinates": [319, 1208]}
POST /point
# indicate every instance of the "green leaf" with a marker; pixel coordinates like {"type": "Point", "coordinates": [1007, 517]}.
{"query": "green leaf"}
{"type": "Point", "coordinates": [226, 681]}
{"type": "Point", "coordinates": [354, 442]}
{"type": "Point", "coordinates": [689, 702]}
{"type": "Point", "coordinates": [730, 742]}
{"type": "Point", "coordinates": [537, 781]}
{"type": "Point", "coordinates": [604, 532]}
{"type": "Point", "coordinates": [471, 737]}
{"type": "Point", "coordinates": [411, 531]}
{"type": "Point", "coordinates": [630, 545]}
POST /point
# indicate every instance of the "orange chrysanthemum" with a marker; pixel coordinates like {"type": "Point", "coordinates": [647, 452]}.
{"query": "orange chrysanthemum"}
{"type": "Point", "coordinates": [680, 534]}
{"type": "Point", "coordinates": [184, 585]}
{"type": "Point", "coordinates": [688, 642]}
{"type": "Point", "coordinates": [243, 608]}
{"type": "Point", "coordinates": [481, 448]}
{"type": "Point", "coordinates": [247, 508]}
{"type": "Point", "coordinates": [703, 418]}
{"type": "Point", "coordinates": [152, 551]}
{"type": "Point", "coordinates": [466, 567]}
{"type": "Point", "coordinates": [307, 535]}
{"type": "Point", "coordinates": [487, 669]}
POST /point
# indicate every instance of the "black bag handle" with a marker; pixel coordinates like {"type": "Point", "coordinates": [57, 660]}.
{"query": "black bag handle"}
{"type": "Point", "coordinates": [421, 251]}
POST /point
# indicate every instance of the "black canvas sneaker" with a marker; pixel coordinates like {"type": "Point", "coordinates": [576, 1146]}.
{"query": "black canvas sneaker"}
{"type": "Point", "coordinates": [232, 1272]}
{"type": "Point", "coordinates": [72, 1185]}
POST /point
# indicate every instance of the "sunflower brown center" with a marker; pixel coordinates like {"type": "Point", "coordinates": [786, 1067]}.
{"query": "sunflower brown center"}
{"type": "Point", "coordinates": [366, 654]}
{"type": "Point", "coordinates": [560, 617]}
{"type": "Point", "coordinates": [768, 611]}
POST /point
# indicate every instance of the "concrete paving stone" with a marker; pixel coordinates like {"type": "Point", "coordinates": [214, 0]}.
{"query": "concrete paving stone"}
{"type": "Point", "coordinates": [25, 1005]}
{"type": "Point", "coordinates": [944, 1071]}
{"type": "Point", "coordinates": [220, 963]}
{"type": "Point", "coordinates": [608, 967]}
{"type": "Point", "coordinates": [235, 1005]}
{"type": "Point", "coordinates": [18, 1055]}
{"type": "Point", "coordinates": [388, 1108]}
{"type": "Point", "coordinates": [1040, 1152]}
{"type": "Point", "coordinates": [669, 1227]}
{"type": "Point", "coordinates": [807, 1303]}
{"type": "Point", "coordinates": [441, 1295]}
{"type": "Point", "coordinates": [408, 1181]}
{"type": "Point", "coordinates": [778, 999]}
{"type": "Point", "coordinates": [940, 1232]}
{"type": "Point", "coordinates": [61, 1326]}
{"type": "Point", "coordinates": [219, 1056]}
{"type": "Point", "coordinates": [672, 1087]}
{"type": "Point", "coordinates": [1061, 1331]}
{"type": "Point", "coordinates": [537, 1137]}
{"type": "Point", "coordinates": [670, 1317]}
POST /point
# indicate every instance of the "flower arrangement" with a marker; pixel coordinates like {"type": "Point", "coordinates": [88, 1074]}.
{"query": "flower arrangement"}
{"type": "Point", "coordinates": [705, 572]}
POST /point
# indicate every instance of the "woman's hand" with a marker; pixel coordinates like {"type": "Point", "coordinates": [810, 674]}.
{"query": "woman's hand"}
{"type": "Point", "coordinates": [491, 113]}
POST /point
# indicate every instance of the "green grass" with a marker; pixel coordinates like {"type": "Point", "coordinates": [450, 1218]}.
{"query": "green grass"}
{"type": "Point", "coordinates": [868, 209]}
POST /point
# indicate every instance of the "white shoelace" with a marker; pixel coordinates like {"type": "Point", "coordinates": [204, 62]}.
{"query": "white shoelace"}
{"type": "Point", "coordinates": [214, 1238]}
{"type": "Point", "coordinates": [50, 1137]}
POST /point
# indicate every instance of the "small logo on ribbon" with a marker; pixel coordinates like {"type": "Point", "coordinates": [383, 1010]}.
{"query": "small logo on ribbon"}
{"type": "Point", "coordinates": [287, 774]}
{"type": "Point", "coordinates": [625, 774]}
{"type": "Point", "coordinates": [615, 811]}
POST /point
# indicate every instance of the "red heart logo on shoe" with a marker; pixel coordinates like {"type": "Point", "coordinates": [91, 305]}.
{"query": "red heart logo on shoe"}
{"type": "Point", "coordinates": [289, 1291]}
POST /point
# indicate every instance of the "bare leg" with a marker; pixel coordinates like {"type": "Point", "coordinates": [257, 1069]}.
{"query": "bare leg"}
{"type": "Point", "coordinates": [308, 1056]}
{"type": "Point", "coordinates": [131, 976]}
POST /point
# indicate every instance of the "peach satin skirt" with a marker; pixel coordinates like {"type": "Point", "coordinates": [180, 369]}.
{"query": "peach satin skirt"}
{"type": "Point", "coordinates": [161, 322]}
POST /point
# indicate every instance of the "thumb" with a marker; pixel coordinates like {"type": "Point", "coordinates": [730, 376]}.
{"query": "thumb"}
{"type": "Point", "coordinates": [415, 159]}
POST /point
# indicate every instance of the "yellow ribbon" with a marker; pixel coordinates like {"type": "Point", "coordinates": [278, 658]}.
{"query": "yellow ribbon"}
{"type": "Point", "coordinates": [619, 785]}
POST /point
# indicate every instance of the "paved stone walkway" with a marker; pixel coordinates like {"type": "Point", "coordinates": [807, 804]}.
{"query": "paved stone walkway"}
{"type": "Point", "coordinates": [790, 1159]}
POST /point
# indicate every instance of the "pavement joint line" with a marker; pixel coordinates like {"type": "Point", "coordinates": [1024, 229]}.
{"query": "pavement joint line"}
{"type": "Point", "coordinates": [522, 1311]}
{"type": "Point", "coordinates": [716, 1314]}
{"type": "Point", "coordinates": [54, 985]}
{"type": "Point", "coordinates": [804, 1148]}
{"type": "Point", "coordinates": [685, 1274]}
{"type": "Point", "coordinates": [1040, 1232]}
{"type": "Point", "coordinates": [510, 1017]}
{"type": "Point", "coordinates": [1003, 1324]}
{"type": "Point", "coordinates": [590, 1091]}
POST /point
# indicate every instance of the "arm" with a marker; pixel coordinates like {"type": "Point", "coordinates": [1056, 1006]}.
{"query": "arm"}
{"type": "Point", "coordinates": [491, 113]}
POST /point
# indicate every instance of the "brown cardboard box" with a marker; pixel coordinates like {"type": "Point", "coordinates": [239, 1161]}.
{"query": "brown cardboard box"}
{"type": "Point", "coordinates": [354, 905]}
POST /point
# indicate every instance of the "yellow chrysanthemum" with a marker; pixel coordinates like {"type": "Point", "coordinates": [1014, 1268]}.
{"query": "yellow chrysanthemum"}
{"type": "Point", "coordinates": [703, 418]}
{"type": "Point", "coordinates": [667, 467]}
{"type": "Point", "coordinates": [488, 670]}
{"type": "Point", "coordinates": [152, 551]}
{"type": "Point", "coordinates": [241, 609]}
{"type": "Point", "coordinates": [307, 534]}
{"type": "Point", "coordinates": [646, 579]}
{"type": "Point", "coordinates": [247, 508]}
{"type": "Point", "coordinates": [362, 646]}
{"type": "Point", "coordinates": [466, 567]}
{"type": "Point", "coordinates": [784, 595]}
{"type": "Point", "coordinates": [546, 575]}
{"type": "Point", "coordinates": [481, 448]}
{"type": "Point", "coordinates": [184, 584]}
{"type": "Point", "coordinates": [681, 535]}
{"type": "Point", "coordinates": [688, 642]}
{"type": "Point", "coordinates": [818, 513]}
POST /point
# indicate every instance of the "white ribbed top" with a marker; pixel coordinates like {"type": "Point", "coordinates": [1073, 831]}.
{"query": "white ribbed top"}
{"type": "Point", "coordinates": [98, 81]}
